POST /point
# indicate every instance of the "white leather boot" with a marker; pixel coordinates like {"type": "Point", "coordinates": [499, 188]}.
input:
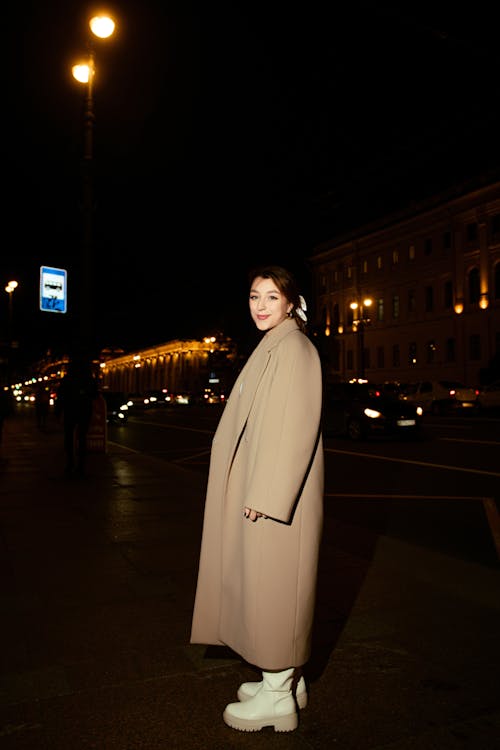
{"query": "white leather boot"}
{"type": "Point", "coordinates": [272, 705]}
{"type": "Point", "coordinates": [249, 689]}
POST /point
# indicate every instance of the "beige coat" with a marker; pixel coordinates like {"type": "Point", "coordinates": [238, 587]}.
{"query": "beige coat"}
{"type": "Point", "coordinates": [257, 581]}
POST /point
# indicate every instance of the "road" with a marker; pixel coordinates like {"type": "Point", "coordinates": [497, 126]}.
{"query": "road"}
{"type": "Point", "coordinates": [441, 490]}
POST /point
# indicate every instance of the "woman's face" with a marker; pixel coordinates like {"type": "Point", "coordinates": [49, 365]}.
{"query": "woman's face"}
{"type": "Point", "coordinates": [268, 306]}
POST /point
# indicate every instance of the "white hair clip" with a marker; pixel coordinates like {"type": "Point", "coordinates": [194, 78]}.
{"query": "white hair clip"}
{"type": "Point", "coordinates": [301, 311]}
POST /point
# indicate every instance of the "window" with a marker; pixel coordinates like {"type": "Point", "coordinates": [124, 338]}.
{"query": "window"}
{"type": "Point", "coordinates": [380, 307]}
{"type": "Point", "coordinates": [428, 246]}
{"type": "Point", "coordinates": [380, 356]}
{"type": "Point", "coordinates": [411, 252]}
{"type": "Point", "coordinates": [495, 225]}
{"type": "Point", "coordinates": [350, 360]}
{"type": "Point", "coordinates": [364, 267]}
{"type": "Point", "coordinates": [412, 301]}
{"type": "Point", "coordinates": [429, 299]}
{"type": "Point", "coordinates": [395, 257]}
{"type": "Point", "coordinates": [380, 262]}
{"type": "Point", "coordinates": [396, 357]}
{"type": "Point", "coordinates": [446, 240]}
{"type": "Point", "coordinates": [430, 352]}
{"type": "Point", "coordinates": [475, 346]}
{"type": "Point", "coordinates": [471, 232]}
{"type": "Point", "coordinates": [349, 272]}
{"type": "Point", "coordinates": [412, 353]}
{"type": "Point", "coordinates": [366, 356]}
{"type": "Point", "coordinates": [395, 306]}
{"type": "Point", "coordinates": [474, 286]}
{"type": "Point", "coordinates": [448, 295]}
{"type": "Point", "coordinates": [450, 350]}
{"type": "Point", "coordinates": [336, 317]}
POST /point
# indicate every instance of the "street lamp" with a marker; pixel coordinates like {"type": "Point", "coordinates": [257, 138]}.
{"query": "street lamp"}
{"type": "Point", "coordinates": [359, 321]}
{"type": "Point", "coordinates": [84, 72]}
{"type": "Point", "coordinates": [10, 288]}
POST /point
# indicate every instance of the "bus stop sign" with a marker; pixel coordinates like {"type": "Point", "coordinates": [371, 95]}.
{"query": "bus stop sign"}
{"type": "Point", "coordinates": [53, 289]}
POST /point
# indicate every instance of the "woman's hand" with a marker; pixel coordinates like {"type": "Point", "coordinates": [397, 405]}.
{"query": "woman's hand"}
{"type": "Point", "coordinates": [253, 515]}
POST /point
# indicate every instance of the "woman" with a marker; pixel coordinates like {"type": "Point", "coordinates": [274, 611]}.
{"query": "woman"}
{"type": "Point", "coordinates": [264, 511]}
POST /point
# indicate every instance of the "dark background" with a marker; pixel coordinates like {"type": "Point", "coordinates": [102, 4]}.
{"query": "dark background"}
{"type": "Point", "coordinates": [226, 135]}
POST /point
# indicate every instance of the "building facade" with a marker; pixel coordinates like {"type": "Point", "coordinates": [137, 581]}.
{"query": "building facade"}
{"type": "Point", "coordinates": [177, 366]}
{"type": "Point", "coordinates": [415, 296]}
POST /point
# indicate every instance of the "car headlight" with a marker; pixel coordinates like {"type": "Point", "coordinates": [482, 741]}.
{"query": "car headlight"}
{"type": "Point", "coordinates": [372, 413]}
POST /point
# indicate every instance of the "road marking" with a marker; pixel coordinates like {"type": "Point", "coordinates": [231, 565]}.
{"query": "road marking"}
{"type": "Point", "coordinates": [415, 463]}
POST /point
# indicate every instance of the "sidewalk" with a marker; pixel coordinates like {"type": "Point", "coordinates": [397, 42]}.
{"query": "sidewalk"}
{"type": "Point", "coordinates": [98, 579]}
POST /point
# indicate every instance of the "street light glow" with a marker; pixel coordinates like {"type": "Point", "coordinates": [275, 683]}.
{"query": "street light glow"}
{"type": "Point", "coordinates": [81, 72]}
{"type": "Point", "coordinates": [102, 26]}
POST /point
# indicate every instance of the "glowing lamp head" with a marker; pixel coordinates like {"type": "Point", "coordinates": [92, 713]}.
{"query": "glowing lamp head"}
{"type": "Point", "coordinates": [102, 26]}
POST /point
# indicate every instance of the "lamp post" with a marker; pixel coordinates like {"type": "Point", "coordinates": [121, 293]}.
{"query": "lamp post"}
{"type": "Point", "coordinates": [84, 72]}
{"type": "Point", "coordinates": [359, 322]}
{"type": "Point", "coordinates": [10, 289]}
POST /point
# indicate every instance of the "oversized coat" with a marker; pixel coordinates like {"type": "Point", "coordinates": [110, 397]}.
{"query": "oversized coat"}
{"type": "Point", "coordinates": [257, 580]}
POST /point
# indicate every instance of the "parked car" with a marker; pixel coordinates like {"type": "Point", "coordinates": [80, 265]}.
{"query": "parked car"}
{"type": "Point", "coordinates": [489, 396]}
{"type": "Point", "coordinates": [360, 410]}
{"type": "Point", "coordinates": [441, 396]}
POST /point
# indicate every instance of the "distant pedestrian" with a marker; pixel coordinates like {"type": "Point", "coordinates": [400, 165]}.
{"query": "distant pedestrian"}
{"type": "Point", "coordinates": [75, 398]}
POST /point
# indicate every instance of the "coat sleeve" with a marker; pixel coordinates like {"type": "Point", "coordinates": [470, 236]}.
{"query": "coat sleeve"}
{"type": "Point", "coordinates": [284, 434]}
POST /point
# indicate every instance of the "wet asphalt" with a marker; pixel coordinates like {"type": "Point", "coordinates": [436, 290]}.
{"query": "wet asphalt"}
{"type": "Point", "coordinates": [98, 577]}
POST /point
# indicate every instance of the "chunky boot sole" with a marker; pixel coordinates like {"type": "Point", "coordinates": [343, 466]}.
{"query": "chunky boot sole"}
{"type": "Point", "coordinates": [280, 723]}
{"type": "Point", "coordinates": [243, 695]}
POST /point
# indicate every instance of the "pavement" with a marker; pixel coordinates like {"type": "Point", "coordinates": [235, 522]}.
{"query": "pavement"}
{"type": "Point", "coordinates": [97, 583]}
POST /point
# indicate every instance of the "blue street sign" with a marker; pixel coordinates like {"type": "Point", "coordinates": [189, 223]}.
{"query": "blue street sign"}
{"type": "Point", "coordinates": [53, 291]}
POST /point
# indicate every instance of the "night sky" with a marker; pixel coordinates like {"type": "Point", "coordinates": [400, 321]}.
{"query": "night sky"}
{"type": "Point", "coordinates": [241, 133]}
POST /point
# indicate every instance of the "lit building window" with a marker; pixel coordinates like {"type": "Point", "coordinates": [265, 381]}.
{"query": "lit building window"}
{"type": "Point", "coordinates": [430, 352]}
{"type": "Point", "coordinates": [412, 353]}
{"type": "Point", "coordinates": [412, 301]}
{"type": "Point", "coordinates": [380, 308]}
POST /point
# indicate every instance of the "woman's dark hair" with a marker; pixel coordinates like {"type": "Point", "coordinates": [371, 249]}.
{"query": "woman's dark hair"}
{"type": "Point", "coordinates": [287, 285]}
